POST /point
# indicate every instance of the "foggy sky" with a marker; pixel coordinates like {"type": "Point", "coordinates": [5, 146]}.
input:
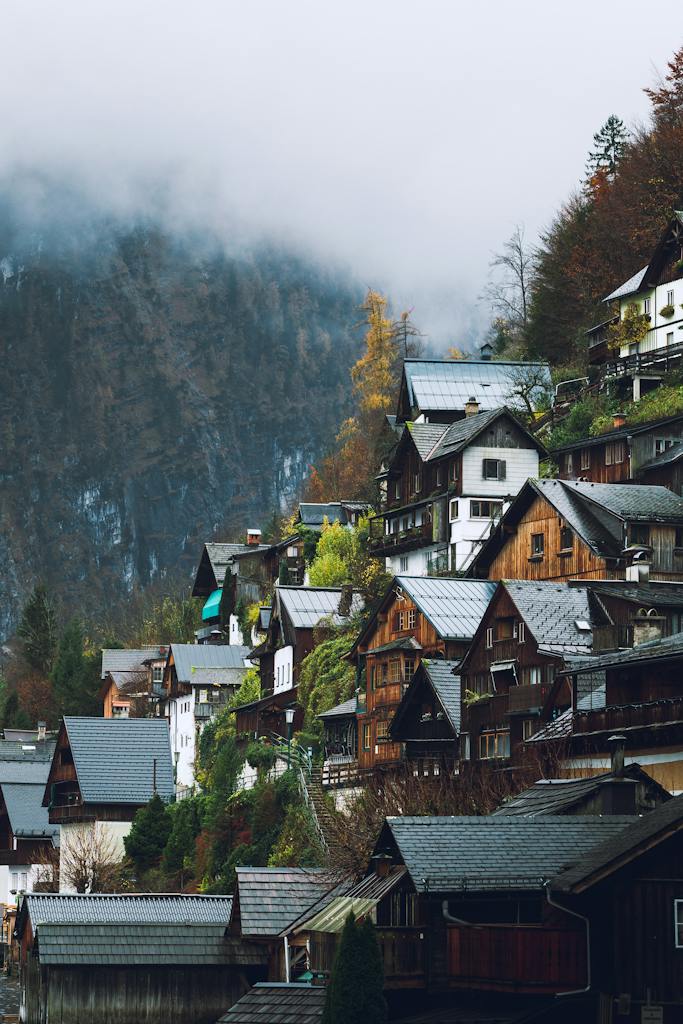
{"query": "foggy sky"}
{"type": "Point", "coordinates": [402, 140]}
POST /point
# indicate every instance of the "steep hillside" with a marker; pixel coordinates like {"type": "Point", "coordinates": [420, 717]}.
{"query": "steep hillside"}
{"type": "Point", "coordinates": [154, 391]}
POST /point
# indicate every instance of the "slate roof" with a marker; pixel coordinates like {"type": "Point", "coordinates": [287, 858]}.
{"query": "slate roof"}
{"type": "Point", "coordinates": [665, 820]}
{"type": "Point", "coordinates": [632, 502]}
{"type": "Point", "coordinates": [404, 643]}
{"type": "Point", "coordinates": [448, 384]}
{"type": "Point", "coordinates": [27, 817]}
{"type": "Point", "coordinates": [271, 898]}
{"type": "Point", "coordinates": [445, 854]}
{"type": "Point", "coordinates": [657, 595]}
{"type": "Point", "coordinates": [313, 514]}
{"type": "Point", "coordinates": [446, 686]}
{"type": "Point", "coordinates": [278, 1003]}
{"type": "Point", "coordinates": [218, 676]}
{"type": "Point", "coordinates": [17, 770]}
{"type": "Point", "coordinates": [221, 556]}
{"type": "Point", "coordinates": [129, 660]}
{"type": "Point", "coordinates": [140, 945]}
{"type": "Point", "coordinates": [619, 434]}
{"type": "Point", "coordinates": [551, 611]}
{"type": "Point", "coordinates": [189, 656]}
{"type": "Point", "coordinates": [425, 436]}
{"type": "Point", "coordinates": [348, 707]}
{"type": "Point", "coordinates": [559, 796]}
{"type": "Point", "coordinates": [114, 759]}
{"type": "Point", "coordinates": [307, 606]}
{"type": "Point", "coordinates": [128, 909]}
{"type": "Point", "coordinates": [653, 650]}
{"type": "Point", "coordinates": [665, 458]}
{"type": "Point", "coordinates": [562, 726]}
{"type": "Point", "coordinates": [455, 607]}
{"type": "Point", "coordinates": [630, 287]}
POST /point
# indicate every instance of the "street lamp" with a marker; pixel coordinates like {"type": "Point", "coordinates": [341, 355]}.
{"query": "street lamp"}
{"type": "Point", "coordinates": [289, 719]}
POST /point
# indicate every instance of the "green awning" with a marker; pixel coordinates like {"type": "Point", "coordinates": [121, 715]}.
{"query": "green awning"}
{"type": "Point", "coordinates": [212, 608]}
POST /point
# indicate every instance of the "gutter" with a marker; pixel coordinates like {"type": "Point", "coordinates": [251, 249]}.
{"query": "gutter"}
{"type": "Point", "coordinates": [566, 910]}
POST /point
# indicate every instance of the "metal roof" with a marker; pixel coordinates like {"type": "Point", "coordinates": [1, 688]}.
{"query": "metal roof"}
{"type": "Point", "coordinates": [270, 899]}
{"type": "Point", "coordinates": [630, 287]}
{"type": "Point", "coordinates": [141, 945]}
{"type": "Point", "coordinates": [27, 817]}
{"type": "Point", "coordinates": [446, 854]}
{"type": "Point", "coordinates": [117, 760]}
{"type": "Point", "coordinates": [448, 384]}
{"type": "Point", "coordinates": [306, 607]}
{"type": "Point", "coordinates": [278, 1003]}
{"type": "Point", "coordinates": [558, 796]}
{"type": "Point", "coordinates": [455, 607]}
{"type": "Point", "coordinates": [358, 901]}
{"type": "Point", "coordinates": [130, 660]}
{"type": "Point", "coordinates": [190, 656]}
{"type": "Point", "coordinates": [128, 908]}
{"type": "Point", "coordinates": [551, 612]}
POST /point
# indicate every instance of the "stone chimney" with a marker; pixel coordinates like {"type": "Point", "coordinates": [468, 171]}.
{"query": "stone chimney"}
{"type": "Point", "coordinates": [42, 728]}
{"type": "Point", "coordinates": [619, 420]}
{"type": "Point", "coordinates": [647, 625]}
{"type": "Point", "coordinates": [617, 748]}
{"type": "Point", "coordinates": [471, 406]}
{"type": "Point", "coordinates": [253, 537]}
{"type": "Point", "coordinates": [345, 599]}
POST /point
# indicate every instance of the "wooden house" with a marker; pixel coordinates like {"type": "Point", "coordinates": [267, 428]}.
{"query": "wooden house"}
{"type": "Point", "coordinates": [164, 959]}
{"type": "Point", "coordinates": [557, 530]}
{"type": "Point", "coordinates": [278, 1004]}
{"type": "Point", "coordinates": [102, 772]}
{"type": "Point", "coordinates": [132, 681]}
{"type": "Point", "coordinates": [340, 743]}
{"type": "Point", "coordinates": [622, 455]}
{"type": "Point", "coordinates": [27, 839]}
{"type": "Point", "coordinates": [665, 469]}
{"type": "Point", "coordinates": [427, 720]}
{"type": "Point", "coordinates": [635, 694]}
{"type": "Point", "coordinates": [446, 485]}
{"type": "Point", "coordinates": [418, 617]}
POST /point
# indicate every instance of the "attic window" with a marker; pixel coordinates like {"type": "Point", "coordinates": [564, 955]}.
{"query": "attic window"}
{"type": "Point", "coordinates": [639, 534]}
{"type": "Point", "coordinates": [582, 625]}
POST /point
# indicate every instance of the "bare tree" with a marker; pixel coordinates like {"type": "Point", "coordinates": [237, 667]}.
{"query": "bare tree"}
{"type": "Point", "coordinates": [89, 861]}
{"type": "Point", "coordinates": [510, 284]}
{"type": "Point", "coordinates": [407, 336]}
{"type": "Point", "coordinates": [47, 870]}
{"type": "Point", "coordinates": [530, 387]}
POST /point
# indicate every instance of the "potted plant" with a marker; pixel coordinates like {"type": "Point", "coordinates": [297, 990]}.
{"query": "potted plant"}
{"type": "Point", "coordinates": [667, 311]}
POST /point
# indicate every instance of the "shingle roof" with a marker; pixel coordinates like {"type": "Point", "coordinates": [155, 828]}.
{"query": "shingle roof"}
{"type": "Point", "coordinates": [653, 650]}
{"type": "Point", "coordinates": [129, 660]}
{"type": "Point", "coordinates": [425, 436]}
{"type": "Point", "coordinates": [614, 851]}
{"type": "Point", "coordinates": [27, 816]}
{"type": "Point", "coordinates": [348, 707]}
{"type": "Point", "coordinates": [510, 852]}
{"type": "Point", "coordinates": [448, 384]}
{"type": "Point", "coordinates": [306, 607]}
{"type": "Point", "coordinates": [140, 945]}
{"type": "Point", "coordinates": [16, 770]}
{"type": "Point", "coordinates": [559, 796]}
{"type": "Point", "coordinates": [454, 607]}
{"type": "Point", "coordinates": [650, 595]}
{"type": "Point", "coordinates": [551, 612]}
{"type": "Point", "coordinates": [278, 1003]}
{"type": "Point", "coordinates": [128, 909]}
{"type": "Point", "coordinates": [115, 759]}
{"type": "Point", "coordinates": [665, 458]}
{"type": "Point", "coordinates": [629, 287]}
{"type": "Point", "coordinates": [189, 656]}
{"type": "Point", "coordinates": [221, 556]}
{"type": "Point", "coordinates": [446, 686]}
{"type": "Point", "coordinates": [632, 502]}
{"type": "Point", "coordinates": [620, 433]}
{"type": "Point", "coordinates": [562, 726]}
{"type": "Point", "coordinates": [271, 898]}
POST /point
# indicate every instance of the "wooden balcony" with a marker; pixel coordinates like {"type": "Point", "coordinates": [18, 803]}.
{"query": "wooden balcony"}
{"type": "Point", "coordinates": [403, 955]}
{"type": "Point", "coordinates": [516, 958]}
{"type": "Point", "coordinates": [387, 544]}
{"type": "Point", "coordinates": [523, 699]}
{"type": "Point", "coordinates": [656, 713]}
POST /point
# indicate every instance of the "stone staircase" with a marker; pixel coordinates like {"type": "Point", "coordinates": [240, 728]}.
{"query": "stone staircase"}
{"type": "Point", "coordinates": [318, 805]}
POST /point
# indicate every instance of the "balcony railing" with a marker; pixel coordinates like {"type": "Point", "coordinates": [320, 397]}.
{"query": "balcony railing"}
{"type": "Point", "coordinates": [523, 958]}
{"type": "Point", "coordinates": [414, 536]}
{"type": "Point", "coordinates": [529, 697]}
{"type": "Point", "coordinates": [629, 716]}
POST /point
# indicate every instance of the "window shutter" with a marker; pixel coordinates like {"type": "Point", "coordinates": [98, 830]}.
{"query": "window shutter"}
{"type": "Point", "coordinates": [483, 468]}
{"type": "Point", "coordinates": [501, 469]}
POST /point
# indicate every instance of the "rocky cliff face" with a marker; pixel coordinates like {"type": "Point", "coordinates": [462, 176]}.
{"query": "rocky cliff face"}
{"type": "Point", "coordinates": [155, 393]}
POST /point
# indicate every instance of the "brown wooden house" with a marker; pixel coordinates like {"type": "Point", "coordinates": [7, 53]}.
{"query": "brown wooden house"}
{"type": "Point", "coordinates": [427, 721]}
{"type": "Point", "coordinates": [419, 616]}
{"type": "Point", "coordinates": [132, 681]}
{"type": "Point", "coordinates": [620, 455]}
{"type": "Point", "coordinates": [557, 530]}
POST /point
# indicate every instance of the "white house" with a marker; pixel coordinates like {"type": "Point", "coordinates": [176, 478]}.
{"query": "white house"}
{"type": "Point", "coordinates": [447, 484]}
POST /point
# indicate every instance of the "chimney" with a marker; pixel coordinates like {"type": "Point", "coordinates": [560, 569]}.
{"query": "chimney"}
{"type": "Point", "coordinates": [345, 599]}
{"type": "Point", "coordinates": [42, 727]}
{"type": "Point", "coordinates": [617, 746]}
{"type": "Point", "coordinates": [471, 406]}
{"type": "Point", "coordinates": [486, 351]}
{"type": "Point", "coordinates": [619, 420]}
{"type": "Point", "coordinates": [253, 537]}
{"type": "Point", "coordinates": [638, 572]}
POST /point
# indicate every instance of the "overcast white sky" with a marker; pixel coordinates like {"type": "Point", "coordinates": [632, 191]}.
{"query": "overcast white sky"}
{"type": "Point", "coordinates": [402, 139]}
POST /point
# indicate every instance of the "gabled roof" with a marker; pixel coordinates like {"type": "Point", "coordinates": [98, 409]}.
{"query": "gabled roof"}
{"type": "Point", "coordinates": [454, 607]}
{"type": "Point", "coordinates": [649, 276]}
{"type": "Point", "coordinates": [278, 1003]}
{"type": "Point", "coordinates": [630, 287]}
{"type": "Point", "coordinates": [190, 656]}
{"type": "Point", "coordinates": [216, 562]}
{"type": "Point", "coordinates": [665, 458]}
{"type": "Point", "coordinates": [130, 660]}
{"type": "Point", "coordinates": [551, 612]}
{"type": "Point", "coordinates": [143, 945]}
{"type": "Point", "coordinates": [562, 796]}
{"type": "Point", "coordinates": [620, 434]}
{"type": "Point", "coordinates": [425, 436]}
{"type": "Point", "coordinates": [648, 595]}
{"type": "Point", "coordinates": [445, 685]}
{"type": "Point", "coordinates": [306, 607]}
{"type": "Point", "coordinates": [343, 710]}
{"type": "Point", "coordinates": [654, 650]}
{"type": "Point", "coordinates": [28, 770]}
{"type": "Point", "coordinates": [446, 385]}
{"type": "Point", "coordinates": [125, 908]}
{"type": "Point", "coordinates": [614, 852]}
{"type": "Point", "coordinates": [270, 899]}
{"type": "Point", "coordinates": [117, 760]}
{"type": "Point", "coordinates": [447, 854]}
{"type": "Point", "coordinates": [313, 514]}
{"type": "Point", "coordinates": [28, 818]}
{"type": "Point", "coordinates": [226, 676]}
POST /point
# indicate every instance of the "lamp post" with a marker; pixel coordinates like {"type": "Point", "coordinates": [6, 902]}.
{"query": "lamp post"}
{"type": "Point", "coordinates": [289, 719]}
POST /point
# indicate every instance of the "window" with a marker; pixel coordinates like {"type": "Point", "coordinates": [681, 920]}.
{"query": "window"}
{"type": "Point", "coordinates": [438, 476]}
{"type": "Point", "coordinates": [639, 533]}
{"type": "Point", "coordinates": [505, 628]}
{"type": "Point", "coordinates": [403, 563]}
{"type": "Point", "coordinates": [406, 619]}
{"type": "Point", "coordinates": [395, 670]}
{"type": "Point", "coordinates": [493, 469]}
{"type": "Point", "coordinates": [614, 453]}
{"type": "Point", "coordinates": [534, 675]}
{"type": "Point", "coordinates": [494, 743]}
{"type": "Point", "coordinates": [453, 471]}
{"type": "Point", "coordinates": [537, 545]}
{"type": "Point", "coordinates": [383, 677]}
{"type": "Point", "coordinates": [417, 482]}
{"type": "Point", "coordinates": [382, 732]}
{"type": "Point", "coordinates": [465, 746]}
{"type": "Point", "coordinates": [678, 923]}
{"type": "Point", "coordinates": [367, 736]}
{"type": "Point", "coordinates": [669, 337]}
{"type": "Point", "coordinates": [662, 443]}
{"type": "Point", "coordinates": [585, 458]}
{"type": "Point", "coordinates": [408, 669]}
{"type": "Point", "coordinates": [646, 307]}
{"type": "Point", "coordinates": [397, 488]}
{"type": "Point", "coordinates": [678, 541]}
{"type": "Point", "coordinates": [485, 509]}
{"type": "Point", "coordinates": [569, 462]}
{"type": "Point", "coordinates": [529, 727]}
{"type": "Point", "coordinates": [453, 510]}
{"type": "Point", "coordinates": [158, 674]}
{"type": "Point", "coordinates": [670, 297]}
{"type": "Point", "coordinates": [521, 632]}
{"type": "Point", "coordinates": [566, 539]}
{"type": "Point", "coordinates": [489, 637]}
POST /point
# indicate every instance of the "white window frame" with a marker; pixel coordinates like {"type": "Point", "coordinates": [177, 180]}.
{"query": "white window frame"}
{"type": "Point", "coordinates": [646, 307]}
{"type": "Point", "coordinates": [403, 563]}
{"type": "Point", "coordinates": [521, 632]}
{"type": "Point", "coordinates": [585, 458]}
{"type": "Point", "coordinates": [452, 516]}
{"type": "Point", "coordinates": [158, 674]}
{"type": "Point", "coordinates": [489, 638]}
{"type": "Point", "coordinates": [678, 924]}
{"type": "Point", "coordinates": [669, 338]}
{"type": "Point", "coordinates": [670, 297]}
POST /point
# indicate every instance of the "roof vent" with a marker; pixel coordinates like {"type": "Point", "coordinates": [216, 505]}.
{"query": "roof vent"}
{"type": "Point", "coordinates": [471, 406]}
{"type": "Point", "coordinates": [619, 420]}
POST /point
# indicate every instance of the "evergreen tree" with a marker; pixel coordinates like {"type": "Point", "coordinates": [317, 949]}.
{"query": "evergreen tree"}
{"type": "Point", "coordinates": [149, 834]}
{"type": "Point", "coordinates": [609, 144]}
{"type": "Point", "coordinates": [354, 994]}
{"type": "Point", "coordinates": [13, 715]}
{"type": "Point", "coordinates": [38, 630]}
{"type": "Point", "coordinates": [75, 674]}
{"type": "Point", "coordinates": [179, 850]}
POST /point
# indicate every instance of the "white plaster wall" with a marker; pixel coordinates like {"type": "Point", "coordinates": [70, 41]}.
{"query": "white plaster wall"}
{"type": "Point", "coordinates": [521, 463]}
{"type": "Point", "coordinates": [660, 326]}
{"type": "Point", "coordinates": [417, 561]}
{"type": "Point", "coordinates": [283, 669]}
{"type": "Point", "coordinates": [180, 712]}
{"type": "Point", "coordinates": [234, 632]}
{"type": "Point", "coordinates": [107, 835]}
{"type": "Point", "coordinates": [21, 877]}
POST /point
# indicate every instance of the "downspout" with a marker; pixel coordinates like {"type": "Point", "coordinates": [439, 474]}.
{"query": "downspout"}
{"type": "Point", "coordinates": [566, 910]}
{"type": "Point", "coordinates": [284, 939]}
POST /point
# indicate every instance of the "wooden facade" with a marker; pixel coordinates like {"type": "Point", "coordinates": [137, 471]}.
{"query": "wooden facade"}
{"type": "Point", "coordinates": [617, 457]}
